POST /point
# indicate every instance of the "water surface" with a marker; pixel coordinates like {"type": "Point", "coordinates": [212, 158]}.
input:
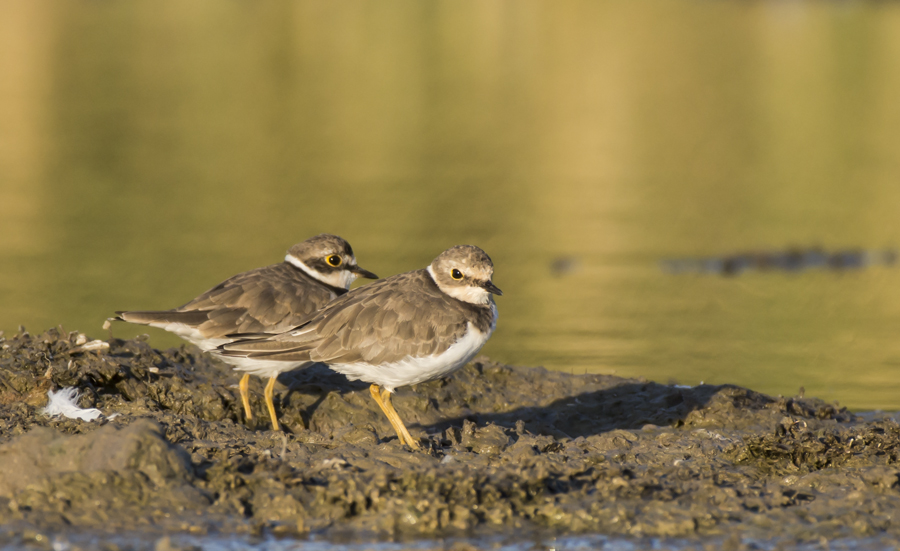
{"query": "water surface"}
{"type": "Point", "coordinates": [148, 150]}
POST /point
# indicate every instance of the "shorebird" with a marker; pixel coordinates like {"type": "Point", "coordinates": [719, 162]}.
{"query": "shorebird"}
{"type": "Point", "coordinates": [403, 330]}
{"type": "Point", "coordinates": [265, 300]}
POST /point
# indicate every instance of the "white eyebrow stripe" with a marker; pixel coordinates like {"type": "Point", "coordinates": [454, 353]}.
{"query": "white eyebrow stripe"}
{"type": "Point", "coordinates": [342, 278]}
{"type": "Point", "coordinates": [291, 259]}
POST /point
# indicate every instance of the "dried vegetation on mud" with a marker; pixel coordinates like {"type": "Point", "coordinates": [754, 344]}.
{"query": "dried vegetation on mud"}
{"type": "Point", "coordinates": [510, 450]}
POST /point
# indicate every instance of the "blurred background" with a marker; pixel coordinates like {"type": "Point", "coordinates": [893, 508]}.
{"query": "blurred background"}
{"type": "Point", "coordinates": [149, 150]}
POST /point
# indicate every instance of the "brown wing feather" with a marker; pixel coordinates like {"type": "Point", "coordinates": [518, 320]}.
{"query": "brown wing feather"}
{"type": "Point", "coordinates": [270, 299]}
{"type": "Point", "coordinates": [168, 316]}
{"type": "Point", "coordinates": [404, 315]}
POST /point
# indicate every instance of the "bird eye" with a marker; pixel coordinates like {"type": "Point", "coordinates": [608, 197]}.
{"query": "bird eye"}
{"type": "Point", "coordinates": [456, 274]}
{"type": "Point", "coordinates": [334, 260]}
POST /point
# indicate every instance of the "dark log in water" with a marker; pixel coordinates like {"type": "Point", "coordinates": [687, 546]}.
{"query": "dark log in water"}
{"type": "Point", "coordinates": [791, 260]}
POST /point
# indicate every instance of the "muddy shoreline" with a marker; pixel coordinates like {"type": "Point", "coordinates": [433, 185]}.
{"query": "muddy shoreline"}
{"type": "Point", "coordinates": [512, 450]}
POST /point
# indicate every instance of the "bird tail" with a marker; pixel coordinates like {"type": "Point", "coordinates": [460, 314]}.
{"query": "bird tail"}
{"type": "Point", "coordinates": [191, 319]}
{"type": "Point", "coordinates": [265, 349]}
{"type": "Point", "coordinates": [187, 325]}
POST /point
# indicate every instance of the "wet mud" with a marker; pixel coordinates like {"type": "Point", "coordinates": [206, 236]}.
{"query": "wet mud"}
{"type": "Point", "coordinates": [510, 450]}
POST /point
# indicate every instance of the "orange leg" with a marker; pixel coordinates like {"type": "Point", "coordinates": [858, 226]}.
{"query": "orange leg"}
{"type": "Point", "coordinates": [245, 394]}
{"type": "Point", "coordinates": [382, 397]}
{"type": "Point", "coordinates": [270, 390]}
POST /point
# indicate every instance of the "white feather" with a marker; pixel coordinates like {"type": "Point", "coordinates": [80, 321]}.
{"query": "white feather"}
{"type": "Point", "coordinates": [65, 403]}
{"type": "Point", "coordinates": [86, 346]}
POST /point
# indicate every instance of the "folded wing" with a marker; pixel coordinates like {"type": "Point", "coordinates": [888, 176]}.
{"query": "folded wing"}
{"type": "Point", "coordinates": [381, 322]}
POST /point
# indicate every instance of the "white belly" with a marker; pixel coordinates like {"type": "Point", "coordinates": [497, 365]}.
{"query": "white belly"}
{"type": "Point", "coordinates": [261, 368]}
{"type": "Point", "coordinates": [410, 370]}
{"type": "Point", "coordinates": [190, 334]}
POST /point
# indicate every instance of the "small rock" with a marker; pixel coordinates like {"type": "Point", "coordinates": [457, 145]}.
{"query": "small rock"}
{"type": "Point", "coordinates": [488, 440]}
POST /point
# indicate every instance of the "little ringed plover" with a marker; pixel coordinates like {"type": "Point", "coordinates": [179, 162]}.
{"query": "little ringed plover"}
{"type": "Point", "coordinates": [265, 300]}
{"type": "Point", "coordinates": [403, 330]}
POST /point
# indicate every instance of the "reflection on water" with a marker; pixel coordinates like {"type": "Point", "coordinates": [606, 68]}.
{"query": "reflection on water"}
{"type": "Point", "coordinates": [149, 150]}
{"type": "Point", "coordinates": [520, 542]}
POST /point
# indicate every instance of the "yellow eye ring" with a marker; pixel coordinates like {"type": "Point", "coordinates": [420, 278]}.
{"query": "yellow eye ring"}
{"type": "Point", "coordinates": [334, 260]}
{"type": "Point", "coordinates": [456, 274]}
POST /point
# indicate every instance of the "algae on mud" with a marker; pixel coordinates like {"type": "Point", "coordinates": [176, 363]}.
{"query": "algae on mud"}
{"type": "Point", "coordinates": [511, 450]}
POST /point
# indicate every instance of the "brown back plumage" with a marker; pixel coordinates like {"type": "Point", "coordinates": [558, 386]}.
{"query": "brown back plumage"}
{"type": "Point", "coordinates": [404, 315]}
{"type": "Point", "coordinates": [270, 299]}
{"type": "Point", "coordinates": [274, 298]}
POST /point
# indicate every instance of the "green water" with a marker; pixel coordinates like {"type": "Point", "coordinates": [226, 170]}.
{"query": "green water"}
{"type": "Point", "coordinates": [148, 150]}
